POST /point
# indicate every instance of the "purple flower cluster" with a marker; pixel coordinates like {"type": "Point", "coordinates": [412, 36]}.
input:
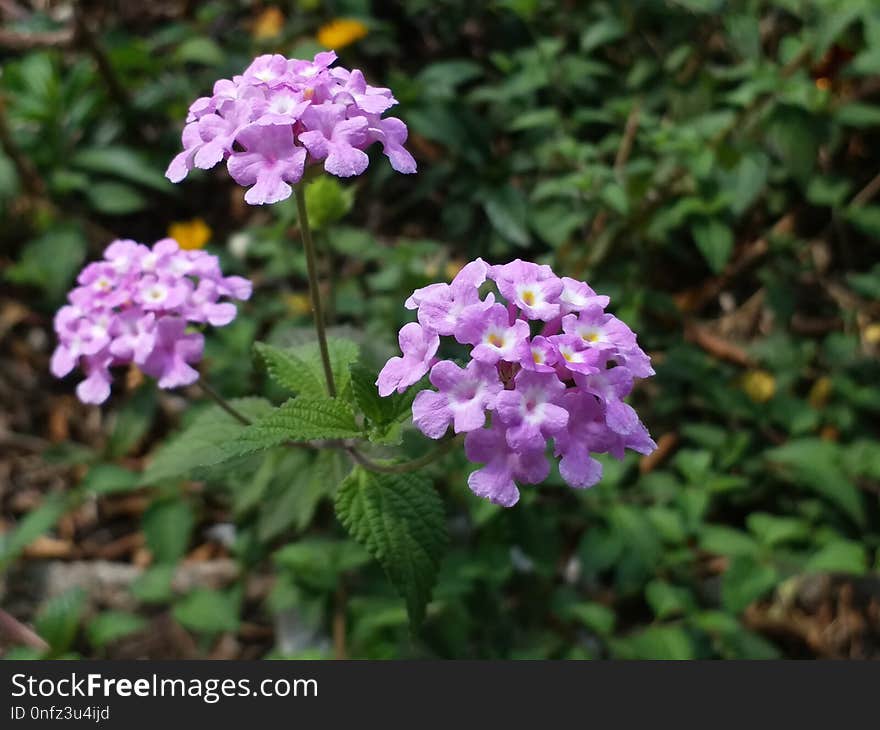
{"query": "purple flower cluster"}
{"type": "Point", "coordinates": [134, 307]}
{"type": "Point", "coordinates": [566, 382]}
{"type": "Point", "coordinates": [282, 113]}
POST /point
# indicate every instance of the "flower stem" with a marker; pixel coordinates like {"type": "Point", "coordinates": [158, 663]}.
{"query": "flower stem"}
{"type": "Point", "coordinates": [407, 466]}
{"type": "Point", "coordinates": [314, 291]}
{"type": "Point", "coordinates": [223, 403]}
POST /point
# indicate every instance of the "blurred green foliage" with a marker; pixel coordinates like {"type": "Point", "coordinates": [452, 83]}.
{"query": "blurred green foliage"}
{"type": "Point", "coordinates": [708, 164]}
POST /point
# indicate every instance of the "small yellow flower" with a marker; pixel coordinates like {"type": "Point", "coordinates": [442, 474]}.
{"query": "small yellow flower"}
{"type": "Point", "coordinates": [298, 303]}
{"type": "Point", "coordinates": [819, 392]}
{"type": "Point", "coordinates": [759, 385]}
{"type": "Point", "coordinates": [871, 334]}
{"type": "Point", "coordinates": [268, 24]}
{"type": "Point", "coordinates": [190, 234]}
{"type": "Point", "coordinates": [341, 32]}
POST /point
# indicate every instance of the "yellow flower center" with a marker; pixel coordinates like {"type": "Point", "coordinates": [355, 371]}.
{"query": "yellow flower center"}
{"type": "Point", "coordinates": [496, 340]}
{"type": "Point", "coordinates": [591, 336]}
{"type": "Point", "coordinates": [528, 297]}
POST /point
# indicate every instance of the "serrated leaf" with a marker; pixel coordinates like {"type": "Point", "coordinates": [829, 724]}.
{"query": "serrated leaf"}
{"type": "Point", "coordinates": [299, 419]}
{"type": "Point", "coordinates": [289, 371]}
{"type": "Point", "coordinates": [399, 518]}
{"type": "Point", "coordinates": [209, 440]}
{"type": "Point", "coordinates": [300, 369]}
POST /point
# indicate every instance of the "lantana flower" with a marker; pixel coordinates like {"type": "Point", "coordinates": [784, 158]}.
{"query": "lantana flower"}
{"type": "Point", "coordinates": [521, 394]}
{"type": "Point", "coordinates": [283, 114]}
{"type": "Point", "coordinates": [138, 306]}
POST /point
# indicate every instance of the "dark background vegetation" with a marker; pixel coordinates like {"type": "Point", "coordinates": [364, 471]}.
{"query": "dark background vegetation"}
{"type": "Point", "coordinates": [711, 165]}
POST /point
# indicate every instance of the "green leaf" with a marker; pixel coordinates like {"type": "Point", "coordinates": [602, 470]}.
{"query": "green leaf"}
{"type": "Point", "coordinates": [318, 562]}
{"type": "Point", "coordinates": [399, 518]}
{"type": "Point", "coordinates": [747, 181]}
{"type": "Point", "coordinates": [795, 136]}
{"type": "Point", "coordinates": [667, 600]}
{"type": "Point", "coordinates": [34, 524]}
{"type": "Point", "coordinates": [366, 394]}
{"type": "Point", "coordinates": [112, 625]}
{"type": "Point", "coordinates": [817, 465]}
{"type": "Point", "coordinates": [58, 620]}
{"type": "Point", "coordinates": [299, 419]}
{"type": "Point", "coordinates": [167, 525]}
{"type": "Point", "coordinates": [383, 413]}
{"type": "Point", "coordinates": [857, 114]}
{"type": "Point", "coordinates": [200, 49]}
{"type": "Point", "coordinates": [594, 616]}
{"type": "Point", "coordinates": [722, 540]}
{"type": "Point", "coordinates": [50, 261]}
{"type": "Point", "coordinates": [443, 77]}
{"type": "Point", "coordinates": [598, 34]}
{"type": "Point", "coordinates": [656, 642]}
{"type": "Point", "coordinates": [124, 163]}
{"type": "Point", "coordinates": [208, 611]}
{"type": "Point", "coordinates": [301, 484]}
{"type": "Point", "coordinates": [840, 556]}
{"type": "Point", "coordinates": [109, 479]}
{"type": "Point", "coordinates": [772, 530]}
{"type": "Point", "coordinates": [744, 581]}
{"type": "Point", "coordinates": [507, 212]}
{"type": "Point", "coordinates": [115, 198]}
{"type": "Point", "coordinates": [865, 217]}
{"type": "Point", "coordinates": [289, 371]}
{"type": "Point", "coordinates": [154, 584]}
{"type": "Point", "coordinates": [714, 239]}
{"type": "Point", "coordinates": [209, 440]}
{"type": "Point", "coordinates": [300, 369]}
{"type": "Point", "coordinates": [131, 422]}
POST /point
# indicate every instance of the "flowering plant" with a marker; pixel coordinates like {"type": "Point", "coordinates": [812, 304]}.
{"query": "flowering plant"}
{"type": "Point", "coordinates": [546, 367]}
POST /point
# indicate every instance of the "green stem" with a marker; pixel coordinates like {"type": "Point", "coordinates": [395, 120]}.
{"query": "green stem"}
{"type": "Point", "coordinates": [314, 291]}
{"type": "Point", "coordinates": [407, 466]}
{"type": "Point", "coordinates": [223, 403]}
